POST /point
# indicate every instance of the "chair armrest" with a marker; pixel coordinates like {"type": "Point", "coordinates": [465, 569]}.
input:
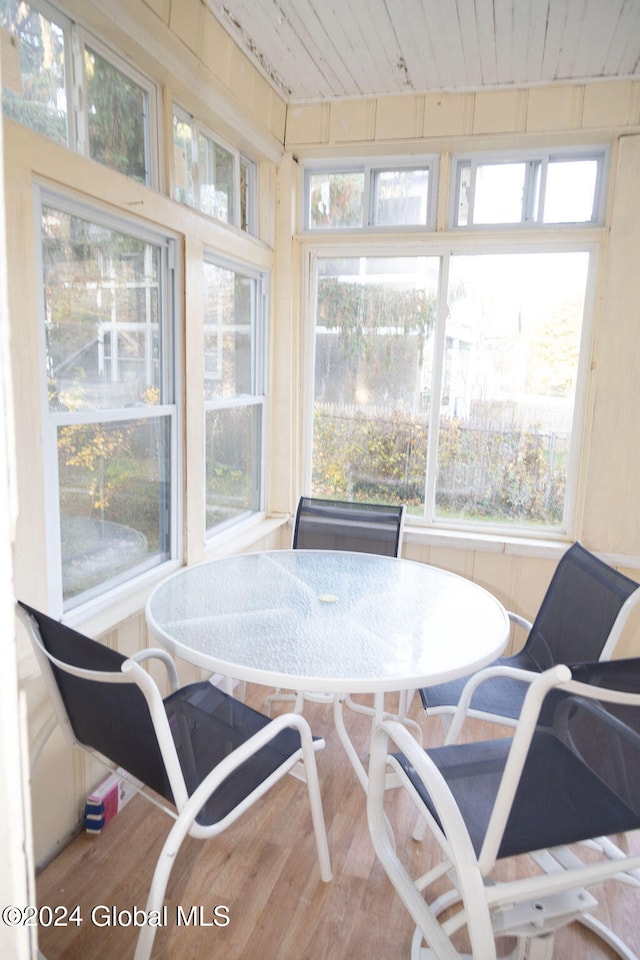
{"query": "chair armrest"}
{"type": "Point", "coordinates": [519, 621]}
{"type": "Point", "coordinates": [470, 687]}
{"type": "Point", "coordinates": [238, 756]}
{"type": "Point", "coordinates": [156, 653]}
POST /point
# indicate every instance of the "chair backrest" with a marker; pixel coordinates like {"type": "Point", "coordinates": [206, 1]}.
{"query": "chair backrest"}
{"type": "Point", "coordinates": [341, 525]}
{"type": "Point", "coordinates": [109, 714]}
{"type": "Point", "coordinates": [584, 601]}
{"type": "Point", "coordinates": [583, 760]}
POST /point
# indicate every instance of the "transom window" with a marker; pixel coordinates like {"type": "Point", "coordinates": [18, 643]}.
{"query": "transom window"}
{"type": "Point", "coordinates": [112, 119]}
{"type": "Point", "coordinates": [212, 176]}
{"type": "Point", "coordinates": [234, 392]}
{"type": "Point", "coordinates": [546, 189]}
{"type": "Point", "coordinates": [111, 442]}
{"type": "Point", "coordinates": [372, 195]}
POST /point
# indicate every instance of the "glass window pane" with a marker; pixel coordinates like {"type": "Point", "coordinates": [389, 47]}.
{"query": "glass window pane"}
{"type": "Point", "coordinates": [375, 319]}
{"type": "Point", "coordinates": [183, 160]}
{"type": "Point", "coordinates": [336, 200]}
{"type": "Point", "coordinates": [401, 197]}
{"type": "Point", "coordinates": [229, 326]}
{"type": "Point", "coordinates": [101, 315]}
{"type": "Point", "coordinates": [570, 192]}
{"type": "Point", "coordinates": [510, 370]}
{"type": "Point", "coordinates": [216, 174]}
{"type": "Point", "coordinates": [42, 101]}
{"type": "Point", "coordinates": [117, 116]}
{"type": "Point", "coordinates": [499, 192]}
{"type": "Point", "coordinates": [114, 481]}
{"type": "Point", "coordinates": [233, 459]}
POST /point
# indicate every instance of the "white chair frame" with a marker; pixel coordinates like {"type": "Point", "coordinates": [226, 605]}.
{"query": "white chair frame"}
{"type": "Point", "coordinates": [530, 908]}
{"type": "Point", "coordinates": [188, 807]}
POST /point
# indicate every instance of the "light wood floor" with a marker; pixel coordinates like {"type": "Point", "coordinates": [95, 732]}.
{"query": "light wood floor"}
{"type": "Point", "coordinates": [264, 870]}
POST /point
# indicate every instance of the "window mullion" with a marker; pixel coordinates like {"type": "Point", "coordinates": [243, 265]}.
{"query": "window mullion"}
{"type": "Point", "coordinates": [436, 389]}
{"type": "Point", "coordinates": [78, 113]}
{"type": "Point", "coordinates": [473, 172]}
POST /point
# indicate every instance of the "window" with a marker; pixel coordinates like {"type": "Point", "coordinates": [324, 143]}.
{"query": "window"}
{"type": "Point", "coordinates": [39, 96]}
{"type": "Point", "coordinates": [370, 195]}
{"type": "Point", "coordinates": [119, 106]}
{"type": "Point", "coordinates": [211, 176]}
{"type": "Point", "coordinates": [548, 189]}
{"type": "Point", "coordinates": [108, 305]}
{"type": "Point", "coordinates": [449, 383]}
{"type": "Point", "coordinates": [449, 372]}
{"type": "Point", "coordinates": [112, 119]}
{"type": "Point", "coordinates": [233, 392]}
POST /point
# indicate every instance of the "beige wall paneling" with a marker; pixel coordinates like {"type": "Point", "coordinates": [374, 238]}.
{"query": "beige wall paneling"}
{"type": "Point", "coordinates": [611, 517]}
{"type": "Point", "coordinates": [284, 349]}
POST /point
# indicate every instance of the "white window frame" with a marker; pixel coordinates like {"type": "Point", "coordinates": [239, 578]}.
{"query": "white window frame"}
{"type": "Point", "coordinates": [199, 128]}
{"type": "Point", "coordinates": [370, 168]}
{"type": "Point", "coordinates": [445, 251]}
{"type": "Point", "coordinates": [61, 20]}
{"type": "Point", "coordinates": [75, 39]}
{"type": "Point", "coordinates": [82, 39]}
{"type": "Point", "coordinates": [258, 398]}
{"type": "Point", "coordinates": [172, 281]}
{"type": "Point", "coordinates": [537, 163]}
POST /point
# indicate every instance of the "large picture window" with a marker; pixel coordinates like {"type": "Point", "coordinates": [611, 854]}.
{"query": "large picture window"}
{"type": "Point", "coordinates": [111, 423]}
{"type": "Point", "coordinates": [449, 383]}
{"type": "Point", "coordinates": [234, 392]}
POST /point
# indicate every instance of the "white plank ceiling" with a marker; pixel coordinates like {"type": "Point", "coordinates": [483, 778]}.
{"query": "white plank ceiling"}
{"type": "Point", "coordinates": [317, 49]}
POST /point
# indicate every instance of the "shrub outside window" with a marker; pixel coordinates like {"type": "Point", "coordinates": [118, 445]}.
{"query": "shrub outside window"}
{"type": "Point", "coordinates": [234, 392]}
{"type": "Point", "coordinates": [111, 420]}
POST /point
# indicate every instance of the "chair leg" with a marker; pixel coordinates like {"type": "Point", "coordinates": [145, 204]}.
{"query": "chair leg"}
{"type": "Point", "coordinates": [279, 697]}
{"type": "Point", "coordinates": [608, 936]}
{"type": "Point", "coordinates": [159, 883]}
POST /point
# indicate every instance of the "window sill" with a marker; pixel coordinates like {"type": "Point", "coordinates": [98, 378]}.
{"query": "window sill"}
{"type": "Point", "coordinates": [484, 542]}
{"type": "Point", "coordinates": [113, 608]}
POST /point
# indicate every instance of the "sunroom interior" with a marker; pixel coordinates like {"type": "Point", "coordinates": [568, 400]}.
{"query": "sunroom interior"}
{"type": "Point", "coordinates": [485, 218]}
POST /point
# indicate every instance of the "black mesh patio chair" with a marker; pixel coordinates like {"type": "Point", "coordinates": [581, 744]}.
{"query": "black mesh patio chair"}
{"type": "Point", "coordinates": [548, 800]}
{"type": "Point", "coordinates": [340, 525]}
{"type": "Point", "coordinates": [208, 755]}
{"type": "Point", "coordinates": [581, 618]}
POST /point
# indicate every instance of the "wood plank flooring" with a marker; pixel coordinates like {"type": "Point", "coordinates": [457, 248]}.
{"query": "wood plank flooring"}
{"type": "Point", "coordinates": [264, 870]}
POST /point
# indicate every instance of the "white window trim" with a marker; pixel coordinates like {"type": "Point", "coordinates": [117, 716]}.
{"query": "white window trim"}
{"type": "Point", "coordinates": [151, 125]}
{"type": "Point", "coordinates": [370, 167]}
{"type": "Point", "coordinates": [259, 398]}
{"type": "Point", "coordinates": [48, 195]}
{"type": "Point", "coordinates": [199, 128]}
{"type": "Point", "coordinates": [599, 152]}
{"type": "Point", "coordinates": [461, 245]}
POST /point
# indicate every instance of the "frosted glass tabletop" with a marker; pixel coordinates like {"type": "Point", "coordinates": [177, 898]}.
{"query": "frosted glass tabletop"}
{"type": "Point", "coordinates": [327, 621]}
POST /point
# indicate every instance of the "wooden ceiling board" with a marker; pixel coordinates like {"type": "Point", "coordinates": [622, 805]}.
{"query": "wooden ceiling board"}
{"type": "Point", "coordinates": [318, 49]}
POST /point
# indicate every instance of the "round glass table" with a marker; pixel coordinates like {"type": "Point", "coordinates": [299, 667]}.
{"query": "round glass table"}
{"type": "Point", "coordinates": [328, 621]}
